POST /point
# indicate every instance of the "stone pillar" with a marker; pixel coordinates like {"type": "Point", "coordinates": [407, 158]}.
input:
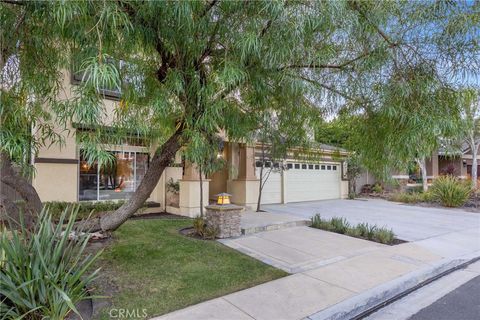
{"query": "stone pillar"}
{"type": "Point", "coordinates": [244, 188]}
{"type": "Point", "coordinates": [225, 218]}
{"type": "Point", "coordinates": [189, 201]}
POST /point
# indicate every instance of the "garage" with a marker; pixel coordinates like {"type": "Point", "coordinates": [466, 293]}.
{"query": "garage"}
{"type": "Point", "coordinates": [303, 182]}
{"type": "Point", "coordinates": [272, 191]}
{"type": "Point", "coordinates": [309, 182]}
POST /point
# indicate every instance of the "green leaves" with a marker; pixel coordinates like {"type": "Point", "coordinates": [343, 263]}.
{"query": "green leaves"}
{"type": "Point", "coordinates": [100, 73]}
{"type": "Point", "coordinates": [44, 273]}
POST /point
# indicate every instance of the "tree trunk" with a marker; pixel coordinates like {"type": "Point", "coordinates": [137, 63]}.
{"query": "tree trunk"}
{"type": "Point", "coordinates": [9, 212]}
{"type": "Point", "coordinates": [423, 169]}
{"type": "Point", "coordinates": [201, 190]}
{"type": "Point", "coordinates": [260, 187]}
{"type": "Point", "coordinates": [474, 165]}
{"type": "Point", "coordinates": [22, 186]}
{"type": "Point", "coordinates": [160, 161]}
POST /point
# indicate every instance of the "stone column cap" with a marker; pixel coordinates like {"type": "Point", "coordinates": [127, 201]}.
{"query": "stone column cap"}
{"type": "Point", "coordinates": [224, 207]}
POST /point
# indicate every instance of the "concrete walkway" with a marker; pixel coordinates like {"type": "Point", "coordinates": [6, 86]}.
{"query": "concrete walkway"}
{"type": "Point", "coordinates": [335, 276]}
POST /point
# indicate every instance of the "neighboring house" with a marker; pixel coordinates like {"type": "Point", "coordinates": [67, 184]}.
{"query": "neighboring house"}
{"type": "Point", "coordinates": [62, 174]}
{"type": "Point", "coordinates": [442, 162]}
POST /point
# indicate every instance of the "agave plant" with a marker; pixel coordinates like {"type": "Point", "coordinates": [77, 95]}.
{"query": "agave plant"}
{"type": "Point", "coordinates": [44, 272]}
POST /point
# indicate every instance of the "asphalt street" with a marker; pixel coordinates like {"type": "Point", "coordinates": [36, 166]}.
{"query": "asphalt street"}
{"type": "Point", "coordinates": [462, 303]}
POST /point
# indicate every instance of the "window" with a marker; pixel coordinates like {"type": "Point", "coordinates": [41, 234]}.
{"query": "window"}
{"type": "Point", "coordinates": [132, 78]}
{"type": "Point", "coordinates": [289, 165]}
{"type": "Point", "coordinates": [334, 167]}
{"type": "Point", "coordinates": [329, 167]}
{"type": "Point", "coordinates": [323, 167]}
{"type": "Point", "coordinates": [317, 167]}
{"type": "Point", "coordinates": [115, 181]}
{"type": "Point", "coordinates": [310, 166]}
{"type": "Point", "coordinates": [276, 165]}
{"type": "Point", "coordinates": [258, 164]}
{"type": "Point", "coordinates": [304, 166]}
{"type": "Point", "coordinates": [268, 164]}
{"type": "Point", "coordinates": [115, 93]}
{"type": "Point", "coordinates": [297, 166]}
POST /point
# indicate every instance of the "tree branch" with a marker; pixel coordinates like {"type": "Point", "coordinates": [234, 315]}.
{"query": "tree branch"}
{"type": "Point", "coordinates": [387, 39]}
{"type": "Point", "coordinates": [332, 89]}
{"type": "Point", "coordinates": [15, 2]}
{"type": "Point", "coordinates": [208, 7]}
{"type": "Point", "coordinates": [327, 66]}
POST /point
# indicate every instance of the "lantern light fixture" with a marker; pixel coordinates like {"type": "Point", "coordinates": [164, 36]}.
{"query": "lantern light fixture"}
{"type": "Point", "coordinates": [223, 198]}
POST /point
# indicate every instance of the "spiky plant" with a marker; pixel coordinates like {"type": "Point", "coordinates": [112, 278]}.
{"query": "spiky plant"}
{"type": "Point", "coordinates": [45, 272]}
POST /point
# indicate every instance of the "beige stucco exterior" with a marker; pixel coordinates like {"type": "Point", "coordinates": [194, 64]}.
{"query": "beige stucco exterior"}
{"type": "Point", "coordinates": [57, 170]}
{"type": "Point", "coordinates": [56, 182]}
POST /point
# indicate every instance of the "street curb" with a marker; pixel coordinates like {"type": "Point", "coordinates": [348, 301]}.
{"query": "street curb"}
{"type": "Point", "coordinates": [369, 301]}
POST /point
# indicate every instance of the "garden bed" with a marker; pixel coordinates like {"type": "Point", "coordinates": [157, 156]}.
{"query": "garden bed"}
{"type": "Point", "coordinates": [149, 265]}
{"type": "Point", "coordinates": [363, 231]}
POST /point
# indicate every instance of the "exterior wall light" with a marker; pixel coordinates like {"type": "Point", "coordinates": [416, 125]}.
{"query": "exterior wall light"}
{"type": "Point", "coordinates": [223, 198]}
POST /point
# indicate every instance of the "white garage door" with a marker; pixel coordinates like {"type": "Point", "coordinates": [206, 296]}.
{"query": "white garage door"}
{"type": "Point", "coordinates": [272, 191]}
{"type": "Point", "coordinates": [309, 182]}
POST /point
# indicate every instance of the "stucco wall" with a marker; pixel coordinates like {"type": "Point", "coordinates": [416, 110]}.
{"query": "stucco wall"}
{"type": "Point", "coordinates": [363, 179]}
{"type": "Point", "coordinates": [56, 181]}
{"type": "Point", "coordinates": [59, 181]}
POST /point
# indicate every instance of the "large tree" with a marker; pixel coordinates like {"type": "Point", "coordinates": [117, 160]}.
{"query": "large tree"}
{"type": "Point", "coordinates": [30, 62]}
{"type": "Point", "coordinates": [192, 69]}
{"type": "Point", "coordinates": [38, 42]}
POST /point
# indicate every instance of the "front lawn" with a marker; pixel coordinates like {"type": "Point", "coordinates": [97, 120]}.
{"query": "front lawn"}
{"type": "Point", "coordinates": [151, 266]}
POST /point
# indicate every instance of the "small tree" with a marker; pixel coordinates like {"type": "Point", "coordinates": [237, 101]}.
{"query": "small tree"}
{"type": "Point", "coordinates": [275, 139]}
{"type": "Point", "coordinates": [354, 169]}
{"type": "Point", "coordinates": [470, 126]}
{"type": "Point", "coordinates": [203, 152]}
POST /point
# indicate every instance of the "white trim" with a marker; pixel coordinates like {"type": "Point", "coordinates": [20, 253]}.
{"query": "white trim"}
{"type": "Point", "coordinates": [400, 176]}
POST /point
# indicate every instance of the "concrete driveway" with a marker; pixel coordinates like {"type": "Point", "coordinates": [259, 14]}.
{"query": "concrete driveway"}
{"type": "Point", "coordinates": [409, 222]}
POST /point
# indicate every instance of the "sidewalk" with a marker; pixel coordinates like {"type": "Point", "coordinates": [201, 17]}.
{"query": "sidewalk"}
{"type": "Point", "coordinates": [335, 276]}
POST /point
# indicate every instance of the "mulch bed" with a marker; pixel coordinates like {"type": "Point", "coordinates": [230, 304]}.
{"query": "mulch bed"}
{"type": "Point", "coordinates": [397, 241]}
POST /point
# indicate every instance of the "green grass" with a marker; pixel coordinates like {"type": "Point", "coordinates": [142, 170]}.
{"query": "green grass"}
{"type": "Point", "coordinates": [154, 267]}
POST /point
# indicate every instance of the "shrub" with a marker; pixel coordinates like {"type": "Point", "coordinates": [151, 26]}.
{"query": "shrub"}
{"type": "Point", "coordinates": [203, 230]}
{"type": "Point", "coordinates": [384, 235]}
{"type": "Point", "coordinates": [412, 197]}
{"type": "Point", "coordinates": [43, 272]}
{"type": "Point", "coordinates": [210, 233]}
{"type": "Point", "coordinates": [449, 170]}
{"type": "Point", "coordinates": [199, 226]}
{"type": "Point", "coordinates": [405, 197]}
{"type": "Point", "coordinates": [367, 188]}
{"type": "Point", "coordinates": [415, 189]}
{"type": "Point", "coordinates": [366, 231]}
{"type": "Point", "coordinates": [339, 225]}
{"type": "Point", "coordinates": [173, 186]}
{"type": "Point", "coordinates": [450, 191]}
{"type": "Point", "coordinates": [362, 230]}
{"type": "Point", "coordinates": [319, 223]}
{"type": "Point", "coordinates": [377, 188]}
{"type": "Point", "coordinates": [85, 208]}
